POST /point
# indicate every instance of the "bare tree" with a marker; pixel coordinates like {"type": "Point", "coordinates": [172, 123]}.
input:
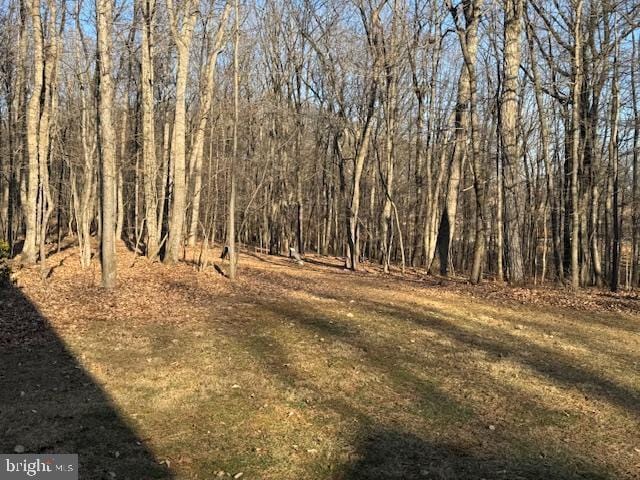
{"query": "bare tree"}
{"type": "Point", "coordinates": [197, 146]}
{"type": "Point", "coordinates": [231, 227]}
{"type": "Point", "coordinates": [332, 127]}
{"type": "Point", "coordinates": [106, 142]}
{"type": "Point", "coordinates": [147, 10]}
{"type": "Point", "coordinates": [181, 21]}
{"type": "Point", "coordinates": [509, 135]}
{"type": "Point", "coordinates": [30, 191]}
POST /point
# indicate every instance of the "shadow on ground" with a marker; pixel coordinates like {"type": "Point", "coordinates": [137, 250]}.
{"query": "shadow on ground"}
{"type": "Point", "coordinates": [552, 363]}
{"type": "Point", "coordinates": [50, 404]}
{"type": "Point", "coordinates": [388, 454]}
{"type": "Point", "coordinates": [450, 438]}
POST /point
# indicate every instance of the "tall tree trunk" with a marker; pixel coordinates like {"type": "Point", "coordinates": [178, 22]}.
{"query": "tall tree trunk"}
{"type": "Point", "coordinates": [30, 194]}
{"type": "Point", "coordinates": [106, 143]}
{"type": "Point", "coordinates": [85, 204]}
{"type": "Point", "coordinates": [182, 36]}
{"type": "Point", "coordinates": [165, 183]}
{"type": "Point", "coordinates": [500, 216]}
{"type": "Point", "coordinates": [48, 114]}
{"type": "Point", "coordinates": [17, 124]}
{"type": "Point", "coordinates": [431, 233]}
{"type": "Point", "coordinates": [120, 177]}
{"type": "Point", "coordinates": [197, 146]}
{"type": "Point", "coordinates": [390, 114]}
{"type": "Point", "coordinates": [467, 100]}
{"type": "Point", "coordinates": [468, 39]}
{"type": "Point", "coordinates": [231, 226]}
{"type": "Point", "coordinates": [508, 134]}
{"type": "Point", "coordinates": [363, 142]}
{"type": "Point", "coordinates": [353, 206]}
{"type": "Point", "coordinates": [552, 202]}
{"type": "Point", "coordinates": [147, 8]}
{"type": "Point", "coordinates": [613, 160]}
{"type": "Point", "coordinates": [299, 196]}
{"type": "Point", "coordinates": [635, 179]}
{"type": "Point", "coordinates": [575, 144]}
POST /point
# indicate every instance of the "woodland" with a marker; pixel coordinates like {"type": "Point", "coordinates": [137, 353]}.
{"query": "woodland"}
{"type": "Point", "coordinates": [484, 139]}
{"type": "Point", "coordinates": [321, 239]}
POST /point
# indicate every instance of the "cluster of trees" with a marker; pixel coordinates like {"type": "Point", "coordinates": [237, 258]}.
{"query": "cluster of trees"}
{"type": "Point", "coordinates": [494, 139]}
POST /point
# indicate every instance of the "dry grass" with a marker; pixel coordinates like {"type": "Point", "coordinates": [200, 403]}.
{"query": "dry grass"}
{"type": "Point", "coordinates": [316, 373]}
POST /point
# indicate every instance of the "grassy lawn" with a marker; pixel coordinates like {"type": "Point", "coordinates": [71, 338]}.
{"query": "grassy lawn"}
{"type": "Point", "coordinates": [313, 372]}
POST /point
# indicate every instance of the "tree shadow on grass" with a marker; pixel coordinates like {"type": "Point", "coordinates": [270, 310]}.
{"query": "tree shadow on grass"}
{"type": "Point", "coordinates": [385, 450]}
{"type": "Point", "coordinates": [325, 264]}
{"type": "Point", "coordinates": [396, 454]}
{"type": "Point", "coordinates": [549, 362]}
{"type": "Point", "coordinates": [402, 423]}
{"type": "Point", "coordinates": [50, 404]}
{"type": "Point", "coordinates": [390, 453]}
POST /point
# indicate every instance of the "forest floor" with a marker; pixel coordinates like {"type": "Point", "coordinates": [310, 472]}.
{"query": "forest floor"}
{"type": "Point", "coordinates": [314, 372]}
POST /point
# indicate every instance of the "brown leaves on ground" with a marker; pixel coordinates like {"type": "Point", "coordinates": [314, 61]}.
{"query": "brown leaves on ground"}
{"type": "Point", "coordinates": [312, 371]}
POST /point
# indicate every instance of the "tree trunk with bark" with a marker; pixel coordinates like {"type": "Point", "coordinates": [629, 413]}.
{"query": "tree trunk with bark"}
{"type": "Point", "coordinates": [509, 137]}
{"type": "Point", "coordinates": [182, 33]}
{"type": "Point", "coordinates": [106, 142]}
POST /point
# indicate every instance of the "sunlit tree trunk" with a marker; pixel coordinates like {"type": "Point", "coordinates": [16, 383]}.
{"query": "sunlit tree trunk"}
{"type": "Point", "coordinates": [390, 113]}
{"type": "Point", "coordinates": [147, 9]}
{"type": "Point", "coordinates": [48, 115]}
{"type": "Point", "coordinates": [231, 215]}
{"type": "Point", "coordinates": [106, 142]}
{"type": "Point", "coordinates": [30, 194]}
{"type": "Point", "coordinates": [197, 146]}
{"type": "Point", "coordinates": [575, 144]}
{"type": "Point", "coordinates": [182, 32]}
{"type": "Point", "coordinates": [509, 136]}
{"type": "Point", "coordinates": [463, 126]}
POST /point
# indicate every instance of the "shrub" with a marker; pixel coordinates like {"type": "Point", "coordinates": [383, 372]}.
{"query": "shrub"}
{"type": "Point", "coordinates": [5, 268]}
{"type": "Point", "coordinates": [5, 250]}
